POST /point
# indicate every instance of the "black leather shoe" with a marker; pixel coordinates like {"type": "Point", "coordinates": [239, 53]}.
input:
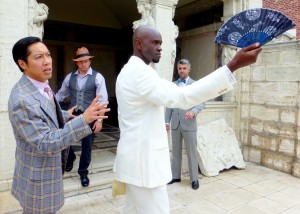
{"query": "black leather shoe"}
{"type": "Point", "coordinates": [85, 181]}
{"type": "Point", "coordinates": [175, 180]}
{"type": "Point", "coordinates": [195, 185]}
{"type": "Point", "coordinates": [69, 166]}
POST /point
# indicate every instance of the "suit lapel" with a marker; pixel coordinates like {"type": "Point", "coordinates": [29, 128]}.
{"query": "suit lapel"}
{"type": "Point", "coordinates": [45, 104]}
{"type": "Point", "coordinates": [60, 117]}
{"type": "Point", "coordinates": [190, 81]}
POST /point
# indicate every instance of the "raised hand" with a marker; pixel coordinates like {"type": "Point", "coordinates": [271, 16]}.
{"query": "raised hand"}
{"type": "Point", "coordinates": [95, 111]}
{"type": "Point", "coordinates": [244, 57]}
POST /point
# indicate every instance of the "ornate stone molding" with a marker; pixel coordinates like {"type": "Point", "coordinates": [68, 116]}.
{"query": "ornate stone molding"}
{"type": "Point", "coordinates": [145, 8]}
{"type": "Point", "coordinates": [37, 14]}
{"type": "Point", "coordinates": [169, 3]}
{"type": "Point", "coordinates": [196, 7]}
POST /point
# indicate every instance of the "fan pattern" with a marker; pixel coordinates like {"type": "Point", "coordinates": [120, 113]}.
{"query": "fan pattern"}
{"type": "Point", "coordinates": [254, 25]}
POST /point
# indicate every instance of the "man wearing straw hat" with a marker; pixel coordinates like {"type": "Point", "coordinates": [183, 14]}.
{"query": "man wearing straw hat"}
{"type": "Point", "coordinates": [82, 86]}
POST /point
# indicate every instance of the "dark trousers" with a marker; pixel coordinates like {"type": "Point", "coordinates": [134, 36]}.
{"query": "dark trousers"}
{"type": "Point", "coordinates": [86, 151]}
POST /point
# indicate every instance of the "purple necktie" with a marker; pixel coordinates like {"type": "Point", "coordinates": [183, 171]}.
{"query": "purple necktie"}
{"type": "Point", "coordinates": [49, 92]}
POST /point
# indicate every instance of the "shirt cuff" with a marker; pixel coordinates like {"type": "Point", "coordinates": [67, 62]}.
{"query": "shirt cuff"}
{"type": "Point", "coordinates": [230, 75]}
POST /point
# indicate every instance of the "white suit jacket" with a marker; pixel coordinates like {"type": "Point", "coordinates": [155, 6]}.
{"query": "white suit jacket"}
{"type": "Point", "coordinates": [143, 152]}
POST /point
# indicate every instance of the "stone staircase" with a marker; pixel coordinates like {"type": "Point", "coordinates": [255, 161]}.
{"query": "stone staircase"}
{"type": "Point", "coordinates": [100, 175]}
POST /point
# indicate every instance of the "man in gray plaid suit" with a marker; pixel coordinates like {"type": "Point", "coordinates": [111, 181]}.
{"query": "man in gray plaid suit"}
{"type": "Point", "coordinates": [41, 131]}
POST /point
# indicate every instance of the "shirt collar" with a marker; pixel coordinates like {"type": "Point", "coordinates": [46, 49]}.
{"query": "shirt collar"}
{"type": "Point", "coordinates": [39, 85]}
{"type": "Point", "coordinates": [186, 79]}
{"type": "Point", "coordinates": [90, 72]}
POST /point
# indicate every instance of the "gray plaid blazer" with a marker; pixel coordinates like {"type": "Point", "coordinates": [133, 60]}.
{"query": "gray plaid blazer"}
{"type": "Point", "coordinates": [41, 135]}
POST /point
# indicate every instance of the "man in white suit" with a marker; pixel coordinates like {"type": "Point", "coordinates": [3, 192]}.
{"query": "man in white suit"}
{"type": "Point", "coordinates": [143, 160]}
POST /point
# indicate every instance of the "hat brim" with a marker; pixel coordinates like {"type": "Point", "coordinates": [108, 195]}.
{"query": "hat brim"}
{"type": "Point", "coordinates": [82, 58]}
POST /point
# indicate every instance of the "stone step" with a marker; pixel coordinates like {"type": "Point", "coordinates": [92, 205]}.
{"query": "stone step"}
{"type": "Point", "coordinates": [72, 187]}
{"type": "Point", "coordinates": [100, 173]}
{"type": "Point", "coordinates": [98, 181]}
{"type": "Point", "coordinates": [100, 176]}
{"type": "Point", "coordinates": [102, 160]}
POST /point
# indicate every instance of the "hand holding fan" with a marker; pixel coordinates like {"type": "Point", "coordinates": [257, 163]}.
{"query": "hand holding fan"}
{"type": "Point", "coordinates": [254, 25]}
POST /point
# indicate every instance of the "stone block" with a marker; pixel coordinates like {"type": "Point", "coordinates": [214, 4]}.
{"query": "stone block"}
{"type": "Point", "coordinates": [273, 98]}
{"type": "Point", "coordinates": [244, 137]}
{"type": "Point", "coordinates": [291, 87]}
{"type": "Point", "coordinates": [254, 155]}
{"type": "Point", "coordinates": [217, 148]}
{"type": "Point", "coordinates": [7, 147]}
{"type": "Point", "coordinates": [245, 98]}
{"type": "Point", "coordinates": [257, 141]}
{"type": "Point", "coordinates": [3, 185]}
{"type": "Point", "coordinates": [270, 143]}
{"type": "Point", "coordinates": [277, 161]}
{"type": "Point", "coordinates": [290, 57]}
{"type": "Point", "coordinates": [288, 131]}
{"type": "Point", "coordinates": [282, 73]}
{"type": "Point", "coordinates": [298, 149]}
{"type": "Point", "coordinates": [245, 87]}
{"type": "Point", "coordinates": [264, 113]}
{"type": "Point", "coordinates": [245, 111]}
{"type": "Point", "coordinates": [257, 126]}
{"type": "Point", "coordinates": [265, 86]}
{"type": "Point", "coordinates": [287, 146]}
{"type": "Point", "coordinates": [288, 116]}
{"type": "Point", "coordinates": [296, 169]}
{"type": "Point", "coordinates": [271, 128]}
{"type": "Point", "coordinates": [258, 73]}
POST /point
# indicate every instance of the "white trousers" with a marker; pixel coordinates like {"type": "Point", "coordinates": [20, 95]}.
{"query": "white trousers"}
{"type": "Point", "coordinates": [141, 200]}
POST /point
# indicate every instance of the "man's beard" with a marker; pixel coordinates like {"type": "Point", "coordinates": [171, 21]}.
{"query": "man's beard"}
{"type": "Point", "coordinates": [155, 60]}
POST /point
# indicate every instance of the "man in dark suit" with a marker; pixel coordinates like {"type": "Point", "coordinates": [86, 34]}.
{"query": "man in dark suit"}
{"type": "Point", "coordinates": [41, 131]}
{"type": "Point", "coordinates": [184, 126]}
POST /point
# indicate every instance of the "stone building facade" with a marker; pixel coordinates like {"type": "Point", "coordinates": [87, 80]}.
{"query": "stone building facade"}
{"type": "Point", "coordinates": [263, 109]}
{"type": "Point", "coordinates": [269, 101]}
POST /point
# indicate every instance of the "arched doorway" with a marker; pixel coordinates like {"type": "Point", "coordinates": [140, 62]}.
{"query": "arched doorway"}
{"type": "Point", "coordinates": [104, 27]}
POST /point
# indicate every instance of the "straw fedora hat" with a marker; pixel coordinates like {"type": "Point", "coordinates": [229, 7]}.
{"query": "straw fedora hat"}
{"type": "Point", "coordinates": [82, 54]}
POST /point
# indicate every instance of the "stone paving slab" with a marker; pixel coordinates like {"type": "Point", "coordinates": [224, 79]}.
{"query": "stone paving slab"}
{"type": "Point", "coordinates": [255, 189]}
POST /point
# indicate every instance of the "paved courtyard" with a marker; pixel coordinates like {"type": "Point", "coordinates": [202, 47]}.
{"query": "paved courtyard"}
{"type": "Point", "coordinates": [254, 190]}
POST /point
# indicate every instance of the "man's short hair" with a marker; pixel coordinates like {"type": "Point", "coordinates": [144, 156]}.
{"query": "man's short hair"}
{"type": "Point", "coordinates": [184, 62]}
{"type": "Point", "coordinates": [20, 49]}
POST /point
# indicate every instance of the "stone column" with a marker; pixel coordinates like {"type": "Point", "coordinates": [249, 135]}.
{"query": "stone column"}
{"type": "Point", "coordinates": [13, 26]}
{"type": "Point", "coordinates": [163, 12]}
{"type": "Point", "coordinates": [232, 7]}
{"type": "Point", "coordinates": [240, 93]}
{"type": "Point", "coordinates": [37, 14]}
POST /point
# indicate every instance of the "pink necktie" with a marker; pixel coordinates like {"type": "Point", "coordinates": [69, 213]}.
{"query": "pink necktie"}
{"type": "Point", "coordinates": [48, 90]}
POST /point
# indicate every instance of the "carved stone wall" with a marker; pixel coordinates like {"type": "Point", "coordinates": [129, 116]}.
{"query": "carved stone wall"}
{"type": "Point", "coordinates": [38, 13]}
{"type": "Point", "coordinates": [270, 109]}
{"type": "Point", "coordinates": [13, 26]}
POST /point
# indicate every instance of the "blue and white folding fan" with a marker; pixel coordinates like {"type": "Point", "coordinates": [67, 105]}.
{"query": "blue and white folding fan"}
{"type": "Point", "coordinates": [254, 25]}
